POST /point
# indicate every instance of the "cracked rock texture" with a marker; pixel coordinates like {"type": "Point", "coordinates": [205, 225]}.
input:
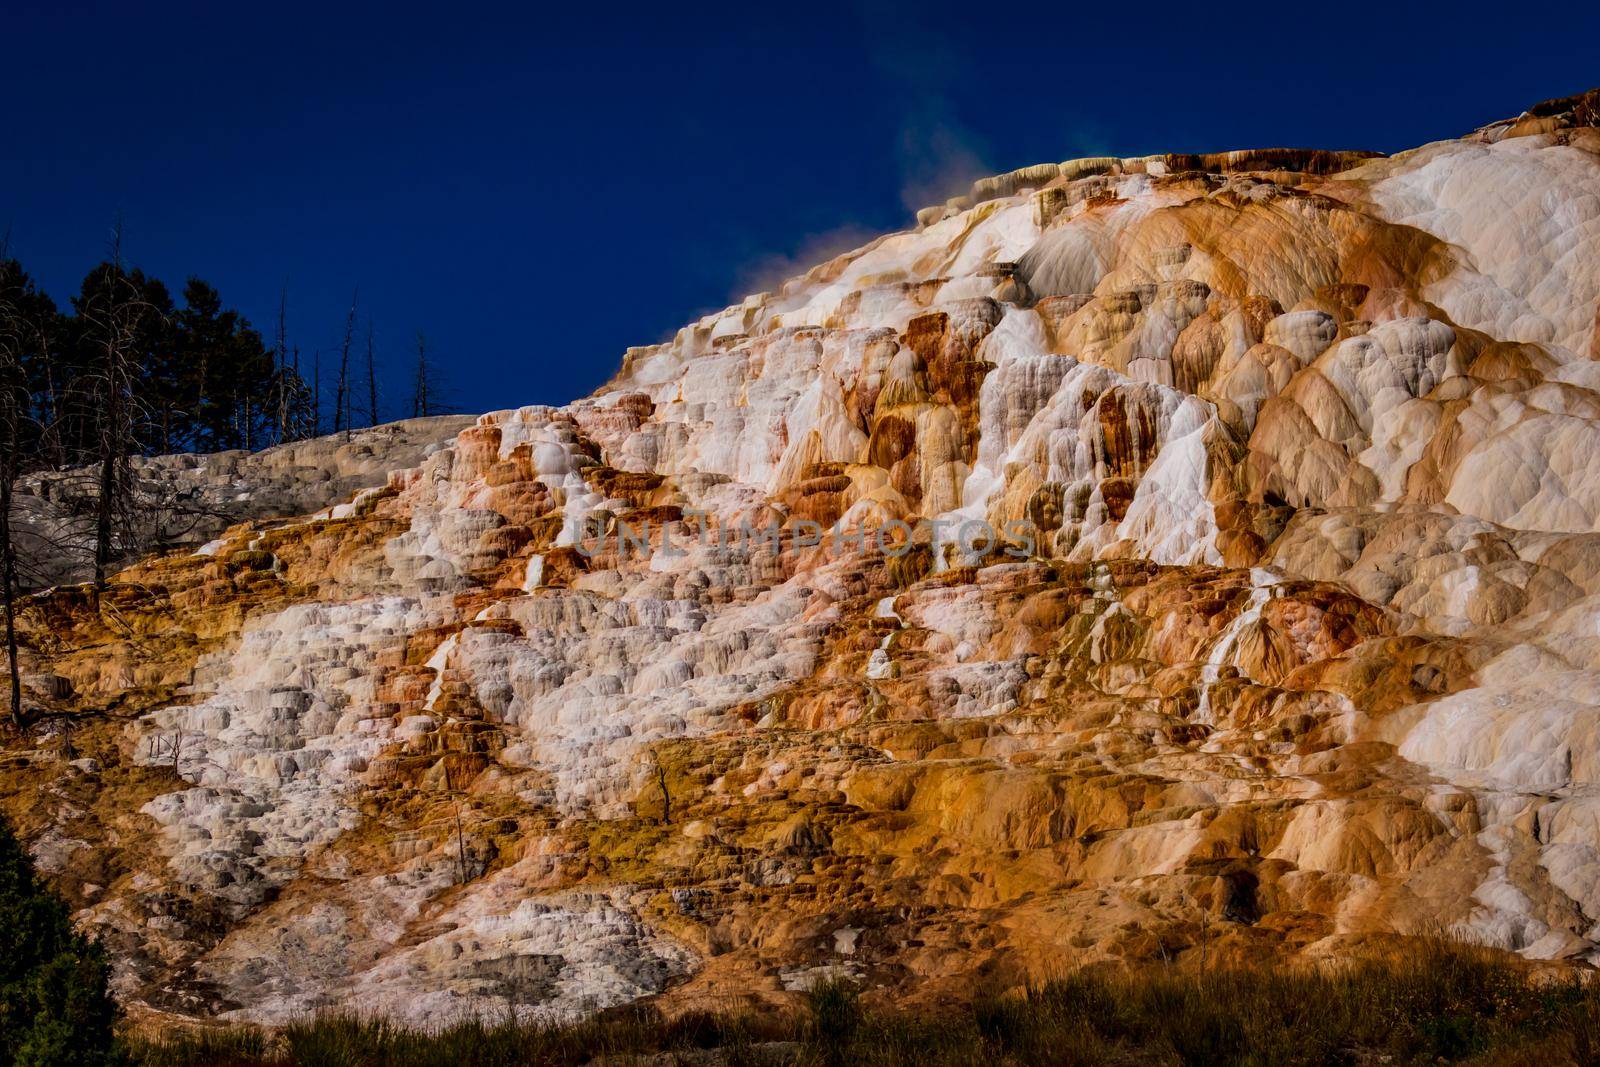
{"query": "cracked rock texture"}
{"type": "Point", "coordinates": [1291, 643]}
{"type": "Point", "coordinates": [192, 498]}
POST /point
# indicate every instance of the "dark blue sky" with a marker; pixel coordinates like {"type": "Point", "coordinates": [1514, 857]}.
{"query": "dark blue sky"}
{"type": "Point", "coordinates": [538, 188]}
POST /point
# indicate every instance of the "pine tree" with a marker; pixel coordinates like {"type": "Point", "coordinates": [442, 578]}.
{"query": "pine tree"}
{"type": "Point", "coordinates": [33, 334]}
{"type": "Point", "coordinates": [226, 377]}
{"type": "Point", "coordinates": [372, 378]}
{"type": "Point", "coordinates": [55, 1007]}
{"type": "Point", "coordinates": [419, 395]}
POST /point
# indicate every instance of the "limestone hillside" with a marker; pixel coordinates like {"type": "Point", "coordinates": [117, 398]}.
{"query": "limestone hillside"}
{"type": "Point", "coordinates": [1305, 656]}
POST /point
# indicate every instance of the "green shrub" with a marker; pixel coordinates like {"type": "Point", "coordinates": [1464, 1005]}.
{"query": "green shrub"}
{"type": "Point", "coordinates": [54, 1005]}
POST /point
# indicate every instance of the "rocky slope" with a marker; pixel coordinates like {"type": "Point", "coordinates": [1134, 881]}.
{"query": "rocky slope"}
{"type": "Point", "coordinates": [1291, 643]}
{"type": "Point", "coordinates": [191, 499]}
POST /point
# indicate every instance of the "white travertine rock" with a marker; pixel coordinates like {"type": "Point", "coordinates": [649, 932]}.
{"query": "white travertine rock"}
{"type": "Point", "coordinates": [273, 748]}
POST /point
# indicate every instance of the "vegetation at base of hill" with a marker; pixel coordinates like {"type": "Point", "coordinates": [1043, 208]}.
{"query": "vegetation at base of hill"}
{"type": "Point", "coordinates": [1442, 1003]}
{"type": "Point", "coordinates": [55, 1010]}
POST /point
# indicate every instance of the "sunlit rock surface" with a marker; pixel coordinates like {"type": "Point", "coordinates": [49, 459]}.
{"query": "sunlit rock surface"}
{"type": "Point", "coordinates": [1289, 642]}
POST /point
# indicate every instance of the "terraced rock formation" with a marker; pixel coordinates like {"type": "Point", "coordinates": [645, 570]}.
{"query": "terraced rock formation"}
{"type": "Point", "coordinates": [1288, 640]}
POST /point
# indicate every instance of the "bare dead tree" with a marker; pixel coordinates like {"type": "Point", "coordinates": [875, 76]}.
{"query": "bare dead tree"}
{"type": "Point", "coordinates": [461, 839]}
{"type": "Point", "coordinates": [300, 406]}
{"type": "Point", "coordinates": [13, 412]}
{"type": "Point", "coordinates": [246, 418]}
{"type": "Point", "coordinates": [51, 450]}
{"type": "Point", "coordinates": [341, 405]}
{"type": "Point", "coordinates": [30, 444]}
{"type": "Point", "coordinates": [8, 582]}
{"type": "Point", "coordinates": [280, 357]}
{"type": "Point", "coordinates": [316, 393]}
{"type": "Point", "coordinates": [175, 747]}
{"type": "Point", "coordinates": [13, 408]}
{"type": "Point", "coordinates": [419, 396]}
{"type": "Point", "coordinates": [661, 784]}
{"type": "Point", "coordinates": [115, 324]}
{"type": "Point", "coordinates": [461, 848]}
{"type": "Point", "coordinates": [372, 378]}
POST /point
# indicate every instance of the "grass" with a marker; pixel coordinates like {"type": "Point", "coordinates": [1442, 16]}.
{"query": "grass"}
{"type": "Point", "coordinates": [1442, 1003]}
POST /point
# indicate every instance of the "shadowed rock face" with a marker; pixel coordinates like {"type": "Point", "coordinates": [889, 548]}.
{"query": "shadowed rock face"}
{"type": "Point", "coordinates": [190, 499]}
{"type": "Point", "coordinates": [1303, 658]}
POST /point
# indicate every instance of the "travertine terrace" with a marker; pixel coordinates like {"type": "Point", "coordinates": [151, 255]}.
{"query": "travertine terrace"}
{"type": "Point", "coordinates": [1306, 658]}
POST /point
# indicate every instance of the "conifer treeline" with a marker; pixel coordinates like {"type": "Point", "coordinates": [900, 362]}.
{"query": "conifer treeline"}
{"type": "Point", "coordinates": [199, 377]}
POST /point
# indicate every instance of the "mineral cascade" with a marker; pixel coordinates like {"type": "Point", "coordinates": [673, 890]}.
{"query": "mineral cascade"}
{"type": "Point", "coordinates": [1304, 658]}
